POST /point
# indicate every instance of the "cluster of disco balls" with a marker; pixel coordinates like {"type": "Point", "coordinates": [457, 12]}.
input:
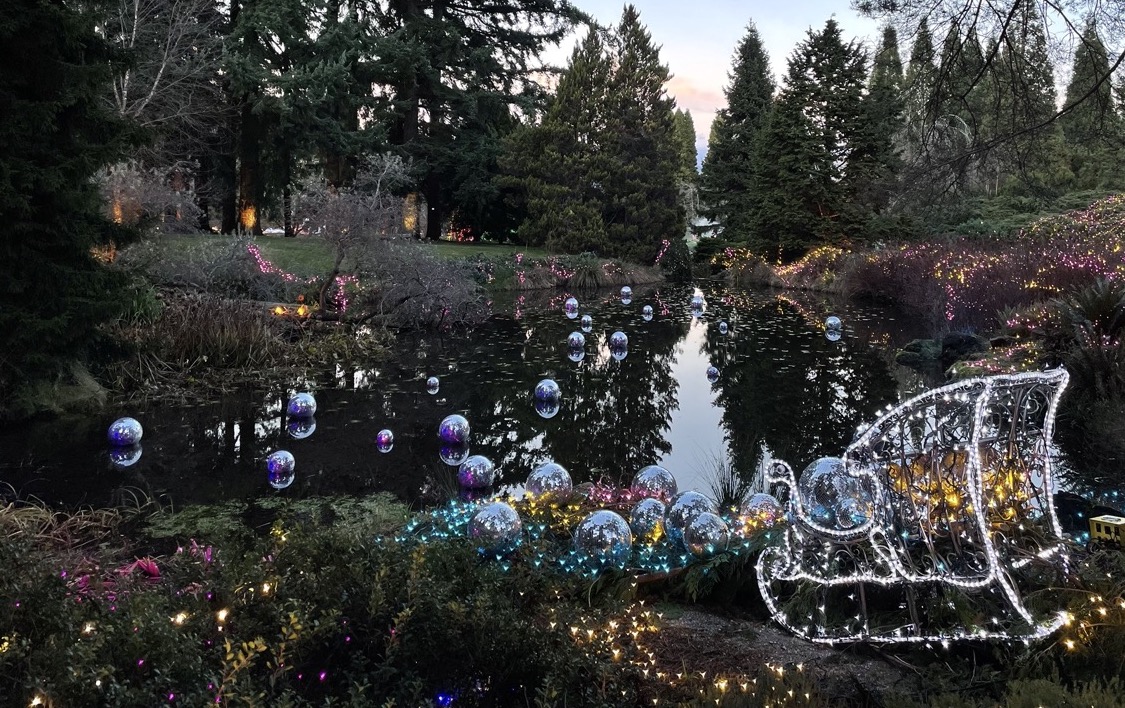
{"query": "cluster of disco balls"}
{"type": "Point", "coordinates": [281, 466]}
{"type": "Point", "coordinates": [604, 538]}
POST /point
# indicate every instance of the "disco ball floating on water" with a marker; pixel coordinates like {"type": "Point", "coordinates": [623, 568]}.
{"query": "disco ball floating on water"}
{"type": "Point", "coordinates": [626, 295]}
{"type": "Point", "coordinates": [281, 469]}
{"type": "Point", "coordinates": [124, 456]}
{"type": "Point", "coordinates": [303, 405]}
{"type": "Point", "coordinates": [496, 528]}
{"type": "Point", "coordinates": [682, 510]}
{"type": "Point", "coordinates": [300, 428]}
{"type": "Point", "coordinates": [125, 432]}
{"type": "Point", "coordinates": [618, 340]}
{"type": "Point", "coordinates": [706, 535]}
{"type": "Point", "coordinates": [550, 482]}
{"type": "Point", "coordinates": [653, 481]}
{"type": "Point", "coordinates": [576, 340]}
{"type": "Point", "coordinates": [454, 429]}
{"type": "Point", "coordinates": [604, 539]}
{"type": "Point", "coordinates": [833, 329]}
{"type": "Point", "coordinates": [646, 313]}
{"type": "Point", "coordinates": [647, 519]}
{"type": "Point", "coordinates": [587, 323]}
{"type": "Point", "coordinates": [477, 472]}
{"type": "Point", "coordinates": [384, 440]}
{"type": "Point", "coordinates": [547, 390]}
{"type": "Point", "coordinates": [570, 307]}
{"type": "Point", "coordinates": [432, 385]}
{"type": "Point", "coordinates": [712, 374]}
{"type": "Point", "coordinates": [723, 328]}
{"type": "Point", "coordinates": [576, 355]}
{"type": "Point", "coordinates": [453, 454]}
{"type": "Point", "coordinates": [547, 408]}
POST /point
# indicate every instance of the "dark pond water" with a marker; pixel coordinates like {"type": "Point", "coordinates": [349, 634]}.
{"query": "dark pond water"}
{"type": "Point", "coordinates": [782, 387]}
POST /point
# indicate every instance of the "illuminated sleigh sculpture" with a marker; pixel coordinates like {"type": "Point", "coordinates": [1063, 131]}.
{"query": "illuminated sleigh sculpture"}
{"type": "Point", "coordinates": [954, 518]}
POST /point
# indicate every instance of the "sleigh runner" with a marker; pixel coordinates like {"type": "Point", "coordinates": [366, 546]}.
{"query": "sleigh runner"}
{"type": "Point", "coordinates": [934, 525]}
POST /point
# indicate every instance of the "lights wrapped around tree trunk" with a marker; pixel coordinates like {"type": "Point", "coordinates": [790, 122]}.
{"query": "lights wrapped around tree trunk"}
{"type": "Point", "coordinates": [963, 515]}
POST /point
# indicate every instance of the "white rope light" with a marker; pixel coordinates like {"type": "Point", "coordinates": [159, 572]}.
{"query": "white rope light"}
{"type": "Point", "coordinates": [962, 480]}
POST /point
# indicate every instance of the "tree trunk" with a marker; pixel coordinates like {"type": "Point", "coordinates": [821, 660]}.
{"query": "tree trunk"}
{"type": "Point", "coordinates": [250, 172]}
{"type": "Point", "coordinates": [435, 208]}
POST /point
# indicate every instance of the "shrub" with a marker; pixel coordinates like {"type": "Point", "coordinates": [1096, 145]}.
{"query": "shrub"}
{"type": "Point", "coordinates": [160, 199]}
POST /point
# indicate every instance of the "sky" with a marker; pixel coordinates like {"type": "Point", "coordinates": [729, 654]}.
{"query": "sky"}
{"type": "Point", "coordinates": [698, 38]}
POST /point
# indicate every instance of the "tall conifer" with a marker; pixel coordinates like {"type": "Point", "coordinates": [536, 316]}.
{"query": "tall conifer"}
{"type": "Point", "coordinates": [726, 191]}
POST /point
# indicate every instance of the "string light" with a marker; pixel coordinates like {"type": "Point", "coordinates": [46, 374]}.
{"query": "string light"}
{"type": "Point", "coordinates": [949, 427]}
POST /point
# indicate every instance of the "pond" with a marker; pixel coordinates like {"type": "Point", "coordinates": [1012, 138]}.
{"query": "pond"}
{"type": "Point", "coordinates": [782, 387]}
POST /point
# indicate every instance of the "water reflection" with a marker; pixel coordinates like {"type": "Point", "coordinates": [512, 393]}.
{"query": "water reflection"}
{"type": "Point", "coordinates": [782, 386]}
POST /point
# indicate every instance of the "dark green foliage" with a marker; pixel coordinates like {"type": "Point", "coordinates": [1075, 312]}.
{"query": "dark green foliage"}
{"type": "Point", "coordinates": [1090, 123]}
{"type": "Point", "coordinates": [818, 151]}
{"type": "Point", "coordinates": [395, 622]}
{"type": "Point", "coordinates": [454, 74]}
{"type": "Point", "coordinates": [602, 172]}
{"type": "Point", "coordinates": [726, 188]}
{"type": "Point", "coordinates": [685, 145]}
{"type": "Point", "coordinates": [676, 262]}
{"type": "Point", "coordinates": [54, 136]}
{"type": "Point", "coordinates": [641, 206]}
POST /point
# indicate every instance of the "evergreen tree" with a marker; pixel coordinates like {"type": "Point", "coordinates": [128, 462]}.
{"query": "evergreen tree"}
{"type": "Point", "coordinates": [726, 192]}
{"type": "Point", "coordinates": [918, 107]}
{"type": "Point", "coordinates": [557, 165]}
{"type": "Point", "coordinates": [454, 72]}
{"type": "Point", "coordinates": [816, 153]}
{"type": "Point", "coordinates": [1090, 124]}
{"type": "Point", "coordinates": [55, 133]}
{"type": "Point", "coordinates": [1030, 157]}
{"type": "Point", "coordinates": [641, 206]}
{"type": "Point", "coordinates": [685, 144]}
{"type": "Point", "coordinates": [883, 122]}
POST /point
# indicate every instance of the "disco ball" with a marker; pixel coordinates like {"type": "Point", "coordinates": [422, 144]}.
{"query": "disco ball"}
{"type": "Point", "coordinates": [706, 535]}
{"type": "Point", "coordinates": [384, 440]}
{"type": "Point", "coordinates": [550, 481]}
{"type": "Point", "coordinates": [281, 469]}
{"type": "Point", "coordinates": [833, 322]}
{"type": "Point", "coordinates": [833, 498]}
{"type": "Point", "coordinates": [570, 307]}
{"type": "Point", "coordinates": [646, 313]}
{"type": "Point", "coordinates": [547, 390]}
{"type": "Point", "coordinates": [477, 472]}
{"type": "Point", "coordinates": [303, 405]}
{"type": "Point", "coordinates": [432, 385]}
{"type": "Point", "coordinates": [626, 295]}
{"type": "Point", "coordinates": [618, 340]}
{"type": "Point", "coordinates": [712, 374]}
{"type": "Point", "coordinates": [453, 454]}
{"type": "Point", "coordinates": [647, 519]}
{"type": "Point", "coordinates": [653, 481]}
{"type": "Point", "coordinates": [125, 432]}
{"type": "Point", "coordinates": [576, 340]}
{"type": "Point", "coordinates": [549, 408]}
{"type": "Point", "coordinates": [454, 429]}
{"type": "Point", "coordinates": [576, 355]}
{"type": "Point", "coordinates": [697, 301]}
{"type": "Point", "coordinates": [496, 528]}
{"type": "Point", "coordinates": [300, 428]}
{"type": "Point", "coordinates": [682, 510]}
{"type": "Point", "coordinates": [124, 456]}
{"type": "Point", "coordinates": [586, 323]}
{"type": "Point", "coordinates": [604, 539]}
{"type": "Point", "coordinates": [763, 508]}
{"type": "Point", "coordinates": [723, 328]}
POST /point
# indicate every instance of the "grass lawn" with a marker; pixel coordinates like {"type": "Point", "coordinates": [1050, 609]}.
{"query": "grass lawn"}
{"type": "Point", "coordinates": [308, 255]}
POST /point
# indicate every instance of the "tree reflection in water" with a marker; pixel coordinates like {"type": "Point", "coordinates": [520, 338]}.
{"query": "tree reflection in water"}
{"type": "Point", "coordinates": [782, 385]}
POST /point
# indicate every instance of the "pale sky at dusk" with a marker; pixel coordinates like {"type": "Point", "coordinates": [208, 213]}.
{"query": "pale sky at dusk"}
{"type": "Point", "coordinates": [697, 39]}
